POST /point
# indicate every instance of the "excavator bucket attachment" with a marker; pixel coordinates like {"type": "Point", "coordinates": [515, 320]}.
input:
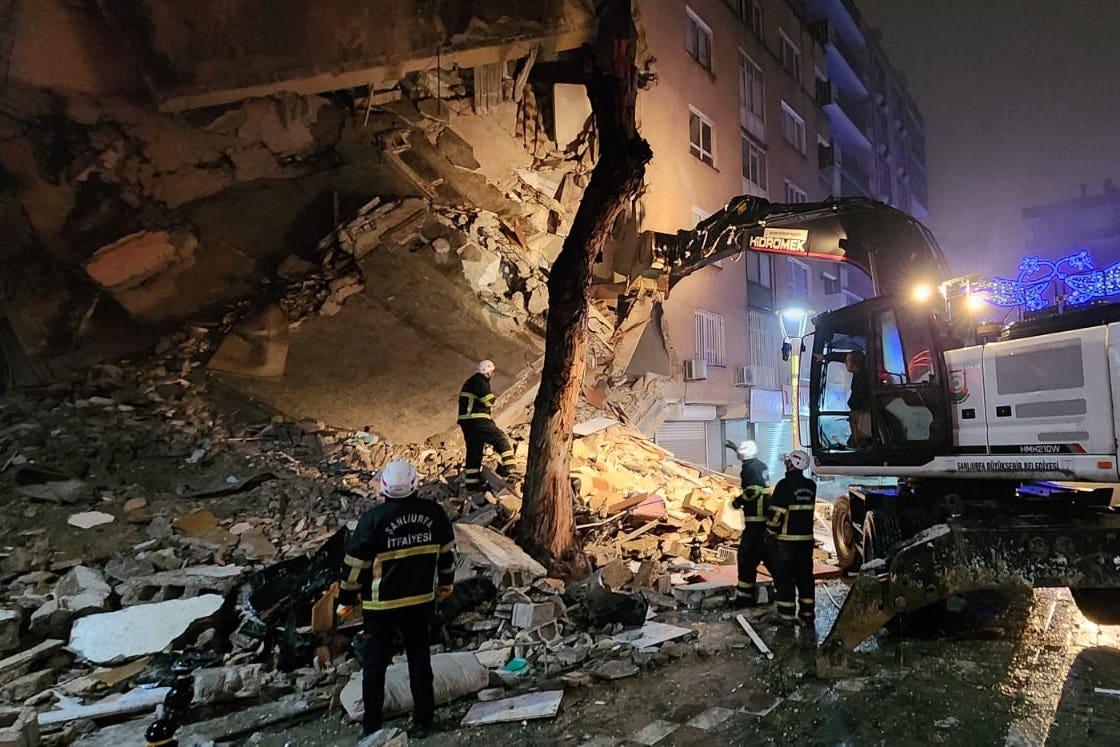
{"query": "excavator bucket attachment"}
{"type": "Point", "coordinates": [971, 554]}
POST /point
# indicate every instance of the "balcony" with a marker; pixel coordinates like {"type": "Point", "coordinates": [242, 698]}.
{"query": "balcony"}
{"type": "Point", "coordinates": [845, 62]}
{"type": "Point", "coordinates": [848, 116]}
{"type": "Point", "coordinates": [854, 181]}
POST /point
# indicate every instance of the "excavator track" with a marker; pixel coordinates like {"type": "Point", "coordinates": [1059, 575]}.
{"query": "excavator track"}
{"type": "Point", "coordinates": [971, 554]}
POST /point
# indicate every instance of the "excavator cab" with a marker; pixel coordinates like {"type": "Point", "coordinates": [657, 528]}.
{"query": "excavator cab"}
{"type": "Point", "coordinates": [879, 390]}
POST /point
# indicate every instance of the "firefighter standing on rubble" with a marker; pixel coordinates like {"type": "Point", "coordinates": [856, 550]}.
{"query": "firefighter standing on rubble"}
{"type": "Point", "coordinates": [401, 558]}
{"type": "Point", "coordinates": [752, 501]}
{"type": "Point", "coordinates": [791, 524]}
{"type": "Point", "coordinates": [476, 419]}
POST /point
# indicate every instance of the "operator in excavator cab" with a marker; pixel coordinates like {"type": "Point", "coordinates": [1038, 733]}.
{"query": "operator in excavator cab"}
{"type": "Point", "coordinates": [752, 501]}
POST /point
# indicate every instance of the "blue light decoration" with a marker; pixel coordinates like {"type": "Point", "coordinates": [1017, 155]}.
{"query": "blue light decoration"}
{"type": "Point", "coordinates": [1074, 277]}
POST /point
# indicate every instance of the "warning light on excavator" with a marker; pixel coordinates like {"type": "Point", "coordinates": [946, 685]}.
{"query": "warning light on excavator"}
{"type": "Point", "coordinates": [975, 302]}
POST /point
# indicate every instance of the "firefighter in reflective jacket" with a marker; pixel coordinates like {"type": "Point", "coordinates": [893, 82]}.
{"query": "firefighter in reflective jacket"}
{"type": "Point", "coordinates": [752, 501]}
{"type": "Point", "coordinates": [791, 524]}
{"type": "Point", "coordinates": [400, 559]}
{"type": "Point", "coordinates": [475, 404]}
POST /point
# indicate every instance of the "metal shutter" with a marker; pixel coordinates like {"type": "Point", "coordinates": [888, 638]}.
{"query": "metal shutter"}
{"type": "Point", "coordinates": [774, 439]}
{"type": "Point", "coordinates": [686, 439]}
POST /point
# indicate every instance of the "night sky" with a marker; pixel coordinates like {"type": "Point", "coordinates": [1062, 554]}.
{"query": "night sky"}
{"type": "Point", "coordinates": [1021, 100]}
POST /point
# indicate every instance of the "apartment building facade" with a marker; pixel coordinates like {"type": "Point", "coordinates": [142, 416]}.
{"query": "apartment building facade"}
{"type": "Point", "coordinates": [745, 102]}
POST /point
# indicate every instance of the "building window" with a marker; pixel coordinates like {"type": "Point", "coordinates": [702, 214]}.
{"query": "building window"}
{"type": "Point", "coordinates": [750, 13]}
{"type": "Point", "coordinates": [758, 269]}
{"type": "Point", "coordinates": [752, 103]}
{"type": "Point", "coordinates": [709, 338]}
{"type": "Point", "coordinates": [698, 39]}
{"type": "Point", "coordinates": [790, 56]}
{"type": "Point", "coordinates": [798, 274]}
{"type": "Point", "coordinates": [765, 344]}
{"type": "Point", "coordinates": [754, 164]}
{"type": "Point", "coordinates": [795, 194]}
{"type": "Point", "coordinates": [793, 128]}
{"type": "Point", "coordinates": [832, 285]}
{"type": "Point", "coordinates": [700, 137]}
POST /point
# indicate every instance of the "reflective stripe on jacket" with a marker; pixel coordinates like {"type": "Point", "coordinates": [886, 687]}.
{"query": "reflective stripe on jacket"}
{"type": "Point", "coordinates": [475, 398]}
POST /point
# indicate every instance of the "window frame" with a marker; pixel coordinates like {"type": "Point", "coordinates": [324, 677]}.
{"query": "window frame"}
{"type": "Point", "coordinates": [697, 149]}
{"type": "Point", "coordinates": [711, 338]}
{"type": "Point", "coordinates": [797, 130]}
{"type": "Point", "coordinates": [756, 261]}
{"type": "Point", "coordinates": [752, 96]}
{"type": "Point", "coordinates": [794, 191]}
{"type": "Point", "coordinates": [758, 151]}
{"type": "Point", "coordinates": [803, 270]}
{"type": "Point", "coordinates": [696, 31]}
{"type": "Point", "coordinates": [792, 63]}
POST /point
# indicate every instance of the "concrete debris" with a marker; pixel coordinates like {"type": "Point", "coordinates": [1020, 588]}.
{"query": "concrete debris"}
{"type": "Point", "coordinates": [257, 346]}
{"type": "Point", "coordinates": [227, 683]}
{"type": "Point", "coordinates": [494, 554]}
{"type": "Point", "coordinates": [16, 664]}
{"type": "Point", "coordinates": [10, 622]}
{"type": "Point", "coordinates": [141, 270]}
{"type": "Point", "coordinates": [387, 737]}
{"type": "Point", "coordinates": [90, 519]}
{"type": "Point", "coordinates": [520, 708]}
{"type": "Point", "coordinates": [82, 591]}
{"type": "Point", "coordinates": [615, 669]}
{"type": "Point", "coordinates": [19, 728]}
{"type": "Point", "coordinates": [184, 583]}
{"type": "Point", "coordinates": [140, 629]}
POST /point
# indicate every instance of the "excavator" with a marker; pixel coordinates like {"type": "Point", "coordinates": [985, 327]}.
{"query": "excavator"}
{"type": "Point", "coordinates": [1002, 439]}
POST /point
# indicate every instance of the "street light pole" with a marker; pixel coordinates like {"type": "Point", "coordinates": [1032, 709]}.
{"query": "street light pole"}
{"type": "Point", "coordinates": [794, 324]}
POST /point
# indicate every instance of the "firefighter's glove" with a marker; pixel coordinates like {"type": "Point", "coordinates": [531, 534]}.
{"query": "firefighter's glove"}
{"type": "Point", "coordinates": [443, 591]}
{"type": "Point", "coordinates": [739, 502]}
{"type": "Point", "coordinates": [345, 610]}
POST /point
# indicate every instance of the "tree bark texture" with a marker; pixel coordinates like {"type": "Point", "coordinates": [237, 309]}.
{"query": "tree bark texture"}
{"type": "Point", "coordinates": [547, 527]}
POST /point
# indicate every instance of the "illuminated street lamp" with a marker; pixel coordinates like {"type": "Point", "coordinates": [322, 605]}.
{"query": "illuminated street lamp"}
{"type": "Point", "coordinates": [794, 324]}
{"type": "Point", "coordinates": [922, 292]}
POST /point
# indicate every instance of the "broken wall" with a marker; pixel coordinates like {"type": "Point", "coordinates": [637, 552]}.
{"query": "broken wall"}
{"type": "Point", "coordinates": [327, 45]}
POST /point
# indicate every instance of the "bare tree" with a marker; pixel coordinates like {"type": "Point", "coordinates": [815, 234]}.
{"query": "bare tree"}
{"type": "Point", "coordinates": [547, 527]}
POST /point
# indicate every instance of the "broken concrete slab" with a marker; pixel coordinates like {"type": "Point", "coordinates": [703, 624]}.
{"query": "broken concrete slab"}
{"type": "Point", "coordinates": [139, 270]}
{"type": "Point", "coordinates": [456, 150]}
{"type": "Point", "coordinates": [137, 700]}
{"type": "Point", "coordinates": [654, 732]}
{"type": "Point", "coordinates": [387, 737]}
{"type": "Point", "coordinates": [19, 729]}
{"type": "Point", "coordinates": [494, 553]}
{"type": "Point", "coordinates": [520, 708]}
{"type": "Point", "coordinates": [55, 491]}
{"type": "Point", "coordinates": [531, 616]}
{"type": "Point", "coordinates": [10, 621]}
{"type": "Point", "coordinates": [183, 583]}
{"type": "Point", "coordinates": [217, 684]}
{"type": "Point", "coordinates": [90, 519]}
{"type": "Point", "coordinates": [256, 347]}
{"type": "Point", "coordinates": [82, 591]}
{"type": "Point", "coordinates": [22, 688]}
{"type": "Point", "coordinates": [16, 664]}
{"type": "Point", "coordinates": [255, 719]}
{"type": "Point", "coordinates": [139, 630]}
{"type": "Point", "coordinates": [653, 633]}
{"type": "Point", "coordinates": [455, 675]}
{"type": "Point", "coordinates": [710, 718]}
{"type": "Point", "coordinates": [615, 669]}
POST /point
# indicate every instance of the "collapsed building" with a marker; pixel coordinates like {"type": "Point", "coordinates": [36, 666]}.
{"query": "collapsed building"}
{"type": "Point", "coordinates": [243, 271]}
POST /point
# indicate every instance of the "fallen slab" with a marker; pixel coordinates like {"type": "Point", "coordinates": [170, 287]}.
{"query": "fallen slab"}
{"type": "Point", "coordinates": [455, 674]}
{"type": "Point", "coordinates": [494, 553]}
{"type": "Point", "coordinates": [520, 708]}
{"type": "Point", "coordinates": [289, 709]}
{"type": "Point", "coordinates": [653, 633]}
{"type": "Point", "coordinates": [139, 630]}
{"type": "Point", "coordinates": [137, 700]}
{"type": "Point", "coordinates": [13, 666]}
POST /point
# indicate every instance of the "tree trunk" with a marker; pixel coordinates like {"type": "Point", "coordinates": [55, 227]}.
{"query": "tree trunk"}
{"type": "Point", "coordinates": [547, 527]}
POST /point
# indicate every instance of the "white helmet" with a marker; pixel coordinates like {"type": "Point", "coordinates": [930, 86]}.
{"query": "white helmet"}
{"type": "Point", "coordinates": [798, 459]}
{"type": "Point", "coordinates": [486, 367]}
{"type": "Point", "coordinates": [398, 480]}
{"type": "Point", "coordinates": [747, 450]}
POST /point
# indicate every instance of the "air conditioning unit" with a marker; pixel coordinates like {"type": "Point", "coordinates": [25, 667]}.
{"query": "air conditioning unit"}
{"type": "Point", "coordinates": [695, 369]}
{"type": "Point", "coordinates": [746, 376]}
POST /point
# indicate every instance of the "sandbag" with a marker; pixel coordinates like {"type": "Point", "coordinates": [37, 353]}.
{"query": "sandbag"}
{"type": "Point", "coordinates": [455, 675]}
